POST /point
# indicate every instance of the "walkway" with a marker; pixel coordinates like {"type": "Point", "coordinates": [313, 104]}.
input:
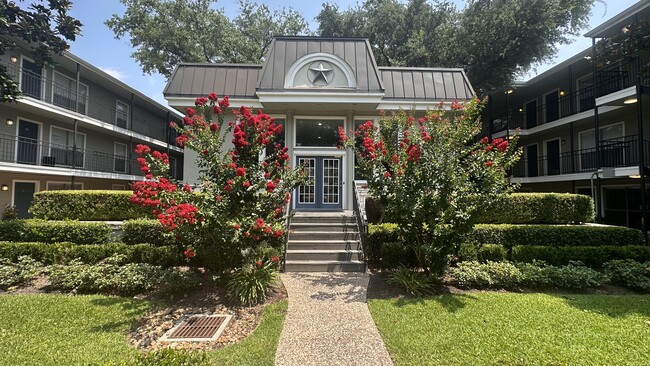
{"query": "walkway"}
{"type": "Point", "coordinates": [328, 322]}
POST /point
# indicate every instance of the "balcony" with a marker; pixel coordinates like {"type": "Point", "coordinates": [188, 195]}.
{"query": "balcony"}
{"type": "Point", "coordinates": [614, 153]}
{"type": "Point", "coordinates": [21, 150]}
{"type": "Point", "coordinates": [619, 75]}
{"type": "Point", "coordinates": [34, 85]}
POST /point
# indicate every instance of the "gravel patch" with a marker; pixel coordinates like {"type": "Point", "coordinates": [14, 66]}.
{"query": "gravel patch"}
{"type": "Point", "coordinates": [328, 322]}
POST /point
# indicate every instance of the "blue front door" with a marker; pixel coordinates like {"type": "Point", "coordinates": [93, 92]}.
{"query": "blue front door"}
{"type": "Point", "coordinates": [324, 189]}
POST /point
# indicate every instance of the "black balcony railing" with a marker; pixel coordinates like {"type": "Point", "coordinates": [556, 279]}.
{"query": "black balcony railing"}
{"type": "Point", "coordinates": [618, 75]}
{"type": "Point", "coordinates": [24, 150]}
{"type": "Point", "coordinates": [34, 85]}
{"type": "Point", "coordinates": [614, 153]}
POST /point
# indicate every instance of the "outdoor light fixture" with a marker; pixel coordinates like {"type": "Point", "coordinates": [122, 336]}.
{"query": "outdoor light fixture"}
{"type": "Point", "coordinates": [5, 187]}
{"type": "Point", "coordinates": [521, 109]}
{"type": "Point", "coordinates": [509, 91]}
{"type": "Point", "coordinates": [635, 176]}
{"type": "Point", "coordinates": [9, 122]}
{"type": "Point", "coordinates": [562, 93]}
{"type": "Point", "coordinates": [13, 59]}
{"type": "Point", "coordinates": [630, 100]}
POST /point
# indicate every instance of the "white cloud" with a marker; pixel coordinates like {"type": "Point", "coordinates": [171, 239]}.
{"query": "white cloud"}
{"type": "Point", "coordinates": [114, 72]}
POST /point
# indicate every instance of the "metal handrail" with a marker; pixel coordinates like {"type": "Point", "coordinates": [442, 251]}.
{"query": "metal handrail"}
{"type": "Point", "coordinates": [362, 222]}
{"type": "Point", "coordinates": [289, 212]}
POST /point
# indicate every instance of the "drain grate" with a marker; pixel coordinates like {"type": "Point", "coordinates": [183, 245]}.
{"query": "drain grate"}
{"type": "Point", "coordinates": [199, 328]}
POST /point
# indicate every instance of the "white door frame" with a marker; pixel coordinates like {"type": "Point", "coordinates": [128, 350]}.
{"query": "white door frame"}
{"type": "Point", "coordinates": [37, 187]}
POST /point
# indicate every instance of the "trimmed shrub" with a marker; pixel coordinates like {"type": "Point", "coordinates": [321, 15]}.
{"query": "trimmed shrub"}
{"type": "Point", "coordinates": [78, 232]}
{"type": "Point", "coordinates": [489, 274]}
{"type": "Point", "coordinates": [114, 275]}
{"type": "Point", "coordinates": [90, 205]}
{"type": "Point", "coordinates": [60, 253]}
{"type": "Point", "coordinates": [394, 255]}
{"type": "Point", "coordinates": [145, 231]}
{"type": "Point", "coordinates": [491, 252]}
{"type": "Point", "coordinates": [574, 275]}
{"type": "Point", "coordinates": [540, 208]}
{"type": "Point", "coordinates": [24, 270]}
{"type": "Point", "coordinates": [378, 234]}
{"type": "Point", "coordinates": [467, 252]}
{"type": "Point", "coordinates": [592, 256]}
{"type": "Point", "coordinates": [555, 235]}
{"type": "Point", "coordinates": [629, 273]}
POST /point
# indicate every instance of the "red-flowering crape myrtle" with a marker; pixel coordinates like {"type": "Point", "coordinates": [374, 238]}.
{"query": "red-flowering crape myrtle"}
{"type": "Point", "coordinates": [240, 202]}
{"type": "Point", "coordinates": [432, 172]}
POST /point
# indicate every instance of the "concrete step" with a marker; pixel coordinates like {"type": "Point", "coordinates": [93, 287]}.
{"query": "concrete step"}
{"type": "Point", "coordinates": [322, 235]}
{"type": "Point", "coordinates": [326, 226]}
{"type": "Point", "coordinates": [323, 266]}
{"type": "Point", "coordinates": [334, 219]}
{"type": "Point", "coordinates": [323, 245]}
{"type": "Point", "coordinates": [324, 255]}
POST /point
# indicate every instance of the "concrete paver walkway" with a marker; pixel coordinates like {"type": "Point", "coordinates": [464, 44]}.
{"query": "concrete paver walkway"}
{"type": "Point", "coordinates": [328, 322]}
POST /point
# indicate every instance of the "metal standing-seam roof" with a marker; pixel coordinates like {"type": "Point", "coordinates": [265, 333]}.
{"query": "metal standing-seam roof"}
{"type": "Point", "coordinates": [196, 79]}
{"type": "Point", "coordinates": [411, 83]}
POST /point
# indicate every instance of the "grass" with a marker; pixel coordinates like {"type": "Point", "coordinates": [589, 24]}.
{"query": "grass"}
{"type": "Point", "coordinates": [66, 330]}
{"type": "Point", "coordinates": [516, 329]}
{"type": "Point", "coordinates": [82, 330]}
{"type": "Point", "coordinates": [259, 348]}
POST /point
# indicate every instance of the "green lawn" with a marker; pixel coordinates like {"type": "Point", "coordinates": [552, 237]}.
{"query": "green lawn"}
{"type": "Point", "coordinates": [81, 330]}
{"type": "Point", "coordinates": [516, 329]}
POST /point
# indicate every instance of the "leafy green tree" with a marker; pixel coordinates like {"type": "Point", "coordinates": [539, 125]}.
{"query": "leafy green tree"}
{"type": "Point", "coordinates": [432, 176]}
{"type": "Point", "coordinates": [493, 40]}
{"type": "Point", "coordinates": [167, 32]}
{"type": "Point", "coordinates": [631, 43]}
{"type": "Point", "coordinates": [46, 28]}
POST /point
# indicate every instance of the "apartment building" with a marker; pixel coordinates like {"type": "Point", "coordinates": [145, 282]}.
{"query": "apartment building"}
{"type": "Point", "coordinates": [75, 128]}
{"type": "Point", "coordinates": [584, 129]}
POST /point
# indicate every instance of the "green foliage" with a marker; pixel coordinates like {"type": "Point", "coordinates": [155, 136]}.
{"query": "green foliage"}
{"type": "Point", "coordinates": [9, 213]}
{"type": "Point", "coordinates": [88, 205]}
{"type": "Point", "coordinates": [45, 28]}
{"type": "Point", "coordinates": [24, 270]}
{"type": "Point", "coordinates": [589, 255]}
{"type": "Point", "coordinates": [78, 232]}
{"type": "Point", "coordinates": [172, 357]}
{"type": "Point", "coordinates": [555, 235]}
{"type": "Point", "coordinates": [421, 33]}
{"type": "Point", "coordinates": [395, 254]}
{"type": "Point", "coordinates": [631, 42]}
{"type": "Point", "coordinates": [378, 234]}
{"type": "Point", "coordinates": [431, 175]}
{"type": "Point", "coordinates": [145, 231]}
{"type": "Point", "coordinates": [202, 33]}
{"type": "Point", "coordinates": [114, 275]}
{"type": "Point", "coordinates": [629, 273]}
{"type": "Point", "coordinates": [251, 284]}
{"type": "Point", "coordinates": [61, 253]}
{"type": "Point", "coordinates": [491, 252]}
{"type": "Point", "coordinates": [467, 252]}
{"type": "Point", "coordinates": [540, 208]}
{"type": "Point", "coordinates": [415, 283]}
{"type": "Point", "coordinates": [508, 275]}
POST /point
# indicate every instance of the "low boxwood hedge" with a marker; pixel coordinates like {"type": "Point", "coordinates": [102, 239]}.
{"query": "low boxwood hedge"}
{"type": "Point", "coordinates": [33, 230]}
{"type": "Point", "coordinates": [61, 253]}
{"type": "Point", "coordinates": [91, 205]}
{"type": "Point", "coordinates": [540, 208]}
{"type": "Point", "coordinates": [555, 235]}
{"type": "Point", "coordinates": [378, 234]}
{"type": "Point", "coordinates": [592, 256]}
{"type": "Point", "coordinates": [145, 231]}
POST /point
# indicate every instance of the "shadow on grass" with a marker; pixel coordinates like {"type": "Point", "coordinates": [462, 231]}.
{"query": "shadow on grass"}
{"type": "Point", "coordinates": [131, 308]}
{"type": "Point", "coordinates": [611, 305]}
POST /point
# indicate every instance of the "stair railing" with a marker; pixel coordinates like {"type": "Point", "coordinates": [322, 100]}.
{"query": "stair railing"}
{"type": "Point", "coordinates": [362, 222]}
{"type": "Point", "coordinates": [287, 222]}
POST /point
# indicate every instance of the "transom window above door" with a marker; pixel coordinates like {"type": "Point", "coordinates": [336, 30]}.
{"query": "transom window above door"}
{"type": "Point", "coordinates": [314, 132]}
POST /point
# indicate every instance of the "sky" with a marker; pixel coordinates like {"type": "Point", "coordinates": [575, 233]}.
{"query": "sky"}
{"type": "Point", "coordinates": [98, 45]}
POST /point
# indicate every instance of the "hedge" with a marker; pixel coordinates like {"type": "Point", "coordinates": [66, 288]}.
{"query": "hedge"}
{"type": "Point", "coordinates": [555, 235]}
{"type": "Point", "coordinates": [592, 256]}
{"type": "Point", "coordinates": [61, 253]}
{"type": "Point", "coordinates": [540, 208]}
{"type": "Point", "coordinates": [145, 231]}
{"type": "Point", "coordinates": [32, 230]}
{"type": "Point", "coordinates": [378, 234]}
{"type": "Point", "coordinates": [91, 205]}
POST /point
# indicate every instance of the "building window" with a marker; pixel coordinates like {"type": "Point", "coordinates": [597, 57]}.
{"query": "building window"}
{"type": "Point", "coordinates": [62, 149]}
{"type": "Point", "coordinates": [172, 167]}
{"type": "Point", "coordinates": [121, 114]}
{"type": "Point", "coordinates": [62, 186]}
{"type": "Point", "coordinates": [119, 159]}
{"type": "Point", "coordinates": [318, 132]}
{"type": "Point", "coordinates": [64, 94]}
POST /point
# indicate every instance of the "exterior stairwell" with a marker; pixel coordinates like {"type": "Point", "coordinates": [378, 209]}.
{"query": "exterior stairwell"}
{"type": "Point", "coordinates": [324, 242]}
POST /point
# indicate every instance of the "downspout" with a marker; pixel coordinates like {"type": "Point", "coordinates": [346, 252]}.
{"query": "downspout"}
{"type": "Point", "coordinates": [74, 150]}
{"type": "Point", "coordinates": [639, 117]}
{"type": "Point", "coordinates": [596, 133]}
